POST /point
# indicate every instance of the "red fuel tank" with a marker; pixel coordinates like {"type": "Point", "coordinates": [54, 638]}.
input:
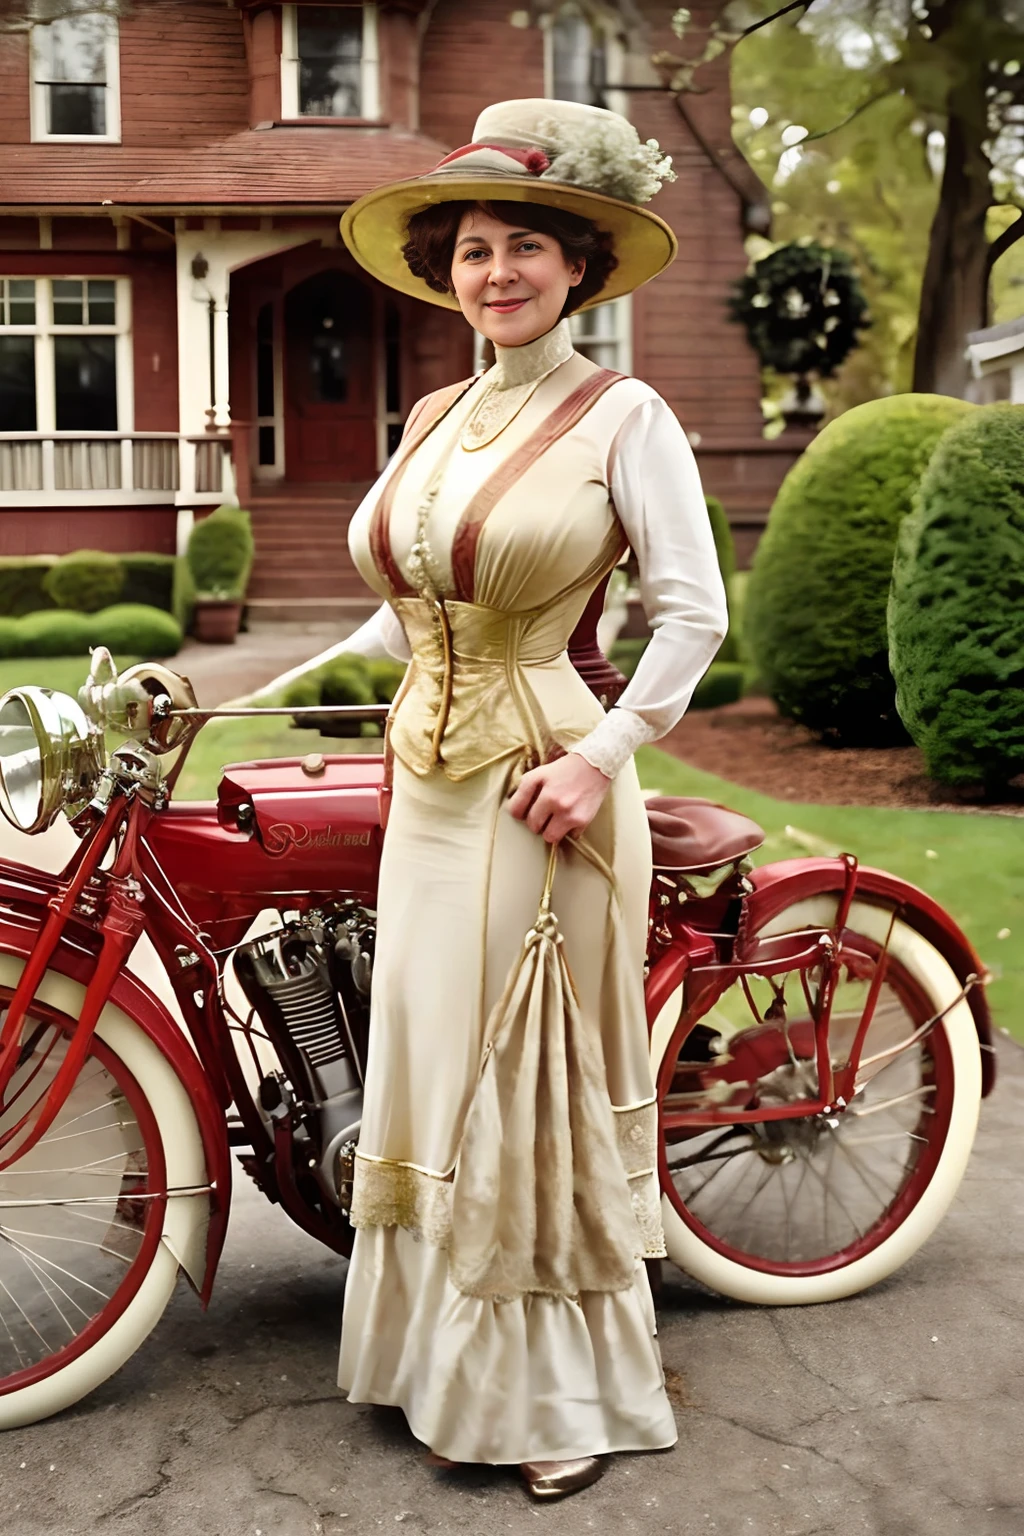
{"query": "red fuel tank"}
{"type": "Point", "coordinates": [288, 832]}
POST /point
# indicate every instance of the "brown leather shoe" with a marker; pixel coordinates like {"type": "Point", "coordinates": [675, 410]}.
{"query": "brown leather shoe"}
{"type": "Point", "coordinates": [557, 1479]}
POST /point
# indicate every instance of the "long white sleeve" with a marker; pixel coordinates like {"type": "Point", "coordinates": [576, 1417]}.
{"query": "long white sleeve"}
{"type": "Point", "coordinates": [657, 494]}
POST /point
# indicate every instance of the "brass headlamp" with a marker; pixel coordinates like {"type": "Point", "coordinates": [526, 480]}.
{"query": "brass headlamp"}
{"type": "Point", "coordinates": [51, 757]}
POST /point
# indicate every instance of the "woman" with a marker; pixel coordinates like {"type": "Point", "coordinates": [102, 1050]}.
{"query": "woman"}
{"type": "Point", "coordinates": [510, 1327]}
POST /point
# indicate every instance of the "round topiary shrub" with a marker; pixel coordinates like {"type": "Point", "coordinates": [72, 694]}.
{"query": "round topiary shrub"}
{"type": "Point", "coordinates": [54, 633]}
{"type": "Point", "coordinates": [815, 608]}
{"type": "Point", "coordinates": [134, 629]}
{"type": "Point", "coordinates": [956, 609]}
{"type": "Point", "coordinates": [10, 638]}
{"type": "Point", "coordinates": [85, 581]}
{"type": "Point", "coordinates": [220, 553]}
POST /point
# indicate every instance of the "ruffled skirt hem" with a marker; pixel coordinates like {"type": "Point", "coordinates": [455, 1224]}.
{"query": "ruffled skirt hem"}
{"type": "Point", "coordinates": [500, 1383]}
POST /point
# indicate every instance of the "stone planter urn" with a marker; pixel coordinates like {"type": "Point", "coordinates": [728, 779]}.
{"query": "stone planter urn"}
{"type": "Point", "coordinates": [215, 620]}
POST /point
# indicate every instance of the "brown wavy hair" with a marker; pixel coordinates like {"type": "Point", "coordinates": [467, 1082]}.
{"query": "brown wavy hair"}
{"type": "Point", "coordinates": [430, 246]}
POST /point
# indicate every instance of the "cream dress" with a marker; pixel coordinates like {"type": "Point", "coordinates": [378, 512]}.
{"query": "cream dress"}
{"type": "Point", "coordinates": [486, 536]}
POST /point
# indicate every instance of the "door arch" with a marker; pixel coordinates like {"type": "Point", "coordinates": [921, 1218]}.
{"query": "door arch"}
{"type": "Point", "coordinates": [330, 379]}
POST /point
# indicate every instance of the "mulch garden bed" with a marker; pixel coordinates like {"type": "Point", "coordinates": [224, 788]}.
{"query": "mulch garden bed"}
{"type": "Point", "coordinates": [748, 743]}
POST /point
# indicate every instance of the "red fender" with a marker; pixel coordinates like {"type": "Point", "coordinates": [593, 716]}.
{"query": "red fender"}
{"type": "Point", "coordinates": [18, 932]}
{"type": "Point", "coordinates": [777, 886]}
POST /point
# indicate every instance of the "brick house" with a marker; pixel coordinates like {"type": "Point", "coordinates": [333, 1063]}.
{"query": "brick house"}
{"type": "Point", "coordinates": [181, 325]}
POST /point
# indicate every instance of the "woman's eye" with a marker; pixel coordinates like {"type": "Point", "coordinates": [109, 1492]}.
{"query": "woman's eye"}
{"type": "Point", "coordinates": [471, 254]}
{"type": "Point", "coordinates": [529, 245]}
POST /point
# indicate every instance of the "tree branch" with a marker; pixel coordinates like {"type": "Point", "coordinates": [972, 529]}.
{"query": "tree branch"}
{"type": "Point", "coordinates": [766, 21]}
{"type": "Point", "coordinates": [1003, 241]}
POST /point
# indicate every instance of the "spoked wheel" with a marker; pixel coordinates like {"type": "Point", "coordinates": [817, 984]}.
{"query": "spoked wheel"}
{"type": "Point", "coordinates": [84, 1272]}
{"type": "Point", "coordinates": [808, 1209]}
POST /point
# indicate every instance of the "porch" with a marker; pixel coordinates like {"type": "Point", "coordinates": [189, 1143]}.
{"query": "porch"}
{"type": "Point", "coordinates": [108, 469]}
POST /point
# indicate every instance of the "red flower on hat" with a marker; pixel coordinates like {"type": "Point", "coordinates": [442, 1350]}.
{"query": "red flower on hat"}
{"type": "Point", "coordinates": [536, 162]}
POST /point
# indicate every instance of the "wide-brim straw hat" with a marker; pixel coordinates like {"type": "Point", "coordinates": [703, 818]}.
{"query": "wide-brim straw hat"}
{"type": "Point", "coordinates": [564, 154]}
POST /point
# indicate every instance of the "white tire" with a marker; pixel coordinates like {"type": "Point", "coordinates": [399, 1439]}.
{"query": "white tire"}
{"type": "Point", "coordinates": [185, 1219]}
{"type": "Point", "coordinates": [934, 977]}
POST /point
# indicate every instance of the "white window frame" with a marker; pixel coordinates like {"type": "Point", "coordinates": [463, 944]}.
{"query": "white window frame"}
{"type": "Point", "coordinates": [601, 20]}
{"type": "Point", "coordinates": [276, 470]}
{"type": "Point", "coordinates": [44, 330]}
{"type": "Point", "coordinates": [38, 89]}
{"type": "Point", "coordinates": [370, 64]}
{"type": "Point", "coordinates": [619, 334]}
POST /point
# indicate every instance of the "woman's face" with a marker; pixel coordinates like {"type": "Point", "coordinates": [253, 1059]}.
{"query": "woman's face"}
{"type": "Point", "coordinates": [511, 282]}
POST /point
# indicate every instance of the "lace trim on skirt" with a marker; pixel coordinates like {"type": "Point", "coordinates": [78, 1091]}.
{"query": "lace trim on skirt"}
{"type": "Point", "coordinates": [394, 1194]}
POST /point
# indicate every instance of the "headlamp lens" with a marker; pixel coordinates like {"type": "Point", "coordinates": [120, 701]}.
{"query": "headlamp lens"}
{"type": "Point", "coordinates": [21, 763]}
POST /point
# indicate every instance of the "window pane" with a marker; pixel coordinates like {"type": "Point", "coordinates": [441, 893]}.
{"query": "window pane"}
{"type": "Point", "coordinates": [86, 383]}
{"type": "Point", "coordinates": [266, 443]}
{"type": "Point", "coordinates": [595, 322]}
{"type": "Point", "coordinates": [265, 367]}
{"type": "Point", "coordinates": [572, 49]}
{"type": "Point", "coordinates": [17, 384]}
{"type": "Point", "coordinates": [80, 109]}
{"type": "Point", "coordinates": [604, 353]}
{"type": "Point", "coordinates": [102, 308]}
{"type": "Point", "coordinates": [74, 49]}
{"type": "Point", "coordinates": [21, 301]}
{"type": "Point", "coordinates": [330, 60]}
{"type": "Point", "coordinates": [68, 306]}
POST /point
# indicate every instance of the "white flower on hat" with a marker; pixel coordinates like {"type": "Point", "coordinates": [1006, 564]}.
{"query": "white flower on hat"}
{"type": "Point", "coordinates": [603, 159]}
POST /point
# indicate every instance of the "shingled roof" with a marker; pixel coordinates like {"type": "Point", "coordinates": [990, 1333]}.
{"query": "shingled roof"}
{"type": "Point", "coordinates": [286, 166]}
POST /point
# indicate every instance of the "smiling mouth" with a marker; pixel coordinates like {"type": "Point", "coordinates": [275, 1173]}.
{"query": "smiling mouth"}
{"type": "Point", "coordinates": [506, 306]}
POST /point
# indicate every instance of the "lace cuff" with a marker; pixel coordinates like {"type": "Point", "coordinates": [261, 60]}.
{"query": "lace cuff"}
{"type": "Point", "coordinates": [612, 743]}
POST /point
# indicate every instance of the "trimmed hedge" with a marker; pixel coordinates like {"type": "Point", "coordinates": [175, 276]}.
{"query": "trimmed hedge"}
{"type": "Point", "coordinates": [149, 579]}
{"type": "Point", "coordinates": [956, 609]}
{"type": "Point", "coordinates": [722, 683]}
{"type": "Point", "coordinates": [220, 553]}
{"type": "Point", "coordinates": [85, 581]}
{"type": "Point", "coordinates": [815, 620]}
{"type": "Point", "coordinates": [348, 679]}
{"type": "Point", "coordinates": [127, 628]}
{"type": "Point", "coordinates": [136, 629]}
{"type": "Point", "coordinates": [21, 584]}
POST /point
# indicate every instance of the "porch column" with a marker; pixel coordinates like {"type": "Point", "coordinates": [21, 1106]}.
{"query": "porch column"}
{"type": "Point", "coordinates": [205, 260]}
{"type": "Point", "coordinates": [221, 409]}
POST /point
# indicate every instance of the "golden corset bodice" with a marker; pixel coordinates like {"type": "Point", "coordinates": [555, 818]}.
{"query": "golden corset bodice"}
{"type": "Point", "coordinates": [482, 662]}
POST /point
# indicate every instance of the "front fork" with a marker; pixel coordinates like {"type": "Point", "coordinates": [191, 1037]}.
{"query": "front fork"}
{"type": "Point", "coordinates": [120, 928]}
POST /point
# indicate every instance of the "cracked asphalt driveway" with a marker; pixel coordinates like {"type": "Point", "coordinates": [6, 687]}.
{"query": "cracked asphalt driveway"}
{"type": "Point", "coordinates": [897, 1413]}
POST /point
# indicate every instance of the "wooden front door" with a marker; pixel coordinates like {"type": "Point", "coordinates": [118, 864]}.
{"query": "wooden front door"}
{"type": "Point", "coordinates": [330, 384]}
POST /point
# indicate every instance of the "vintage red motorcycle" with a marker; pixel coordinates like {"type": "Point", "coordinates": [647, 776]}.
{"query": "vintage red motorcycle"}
{"type": "Point", "coordinates": [819, 1034]}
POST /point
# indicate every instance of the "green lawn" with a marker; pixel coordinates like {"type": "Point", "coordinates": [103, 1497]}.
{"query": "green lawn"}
{"type": "Point", "coordinates": [64, 674]}
{"type": "Point", "coordinates": [972, 864]}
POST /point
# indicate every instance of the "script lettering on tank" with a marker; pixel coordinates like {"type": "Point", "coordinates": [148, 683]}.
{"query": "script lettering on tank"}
{"type": "Point", "coordinates": [284, 837]}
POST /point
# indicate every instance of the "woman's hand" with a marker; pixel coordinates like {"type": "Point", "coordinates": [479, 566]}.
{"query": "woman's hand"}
{"type": "Point", "coordinates": [559, 798]}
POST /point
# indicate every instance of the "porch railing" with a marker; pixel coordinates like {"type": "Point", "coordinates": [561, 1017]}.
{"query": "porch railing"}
{"type": "Point", "coordinates": [115, 468]}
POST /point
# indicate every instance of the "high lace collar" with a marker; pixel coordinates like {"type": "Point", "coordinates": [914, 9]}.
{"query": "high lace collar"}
{"type": "Point", "coordinates": [515, 366]}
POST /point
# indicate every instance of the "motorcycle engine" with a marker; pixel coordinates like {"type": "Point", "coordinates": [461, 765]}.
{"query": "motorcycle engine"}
{"type": "Point", "coordinates": [309, 984]}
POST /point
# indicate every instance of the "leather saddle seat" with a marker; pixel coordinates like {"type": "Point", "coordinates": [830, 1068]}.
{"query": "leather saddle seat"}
{"type": "Point", "coordinates": [696, 836]}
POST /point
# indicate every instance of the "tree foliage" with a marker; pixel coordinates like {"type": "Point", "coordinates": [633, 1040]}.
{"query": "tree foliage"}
{"type": "Point", "coordinates": [947, 77]}
{"type": "Point", "coordinates": [956, 610]}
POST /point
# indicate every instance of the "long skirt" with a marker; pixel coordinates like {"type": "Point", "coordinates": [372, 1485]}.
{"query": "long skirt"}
{"type": "Point", "coordinates": [538, 1377]}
